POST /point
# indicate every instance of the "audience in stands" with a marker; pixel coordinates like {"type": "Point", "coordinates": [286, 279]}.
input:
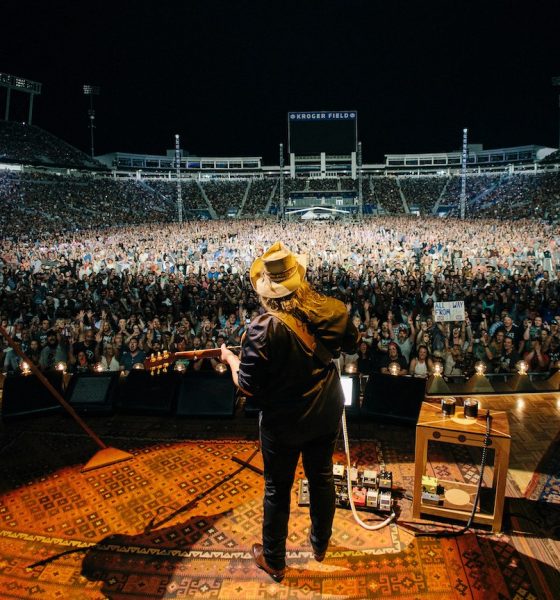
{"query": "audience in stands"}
{"type": "Point", "coordinates": [422, 193]}
{"type": "Point", "coordinates": [387, 195]}
{"type": "Point", "coordinates": [94, 272]}
{"type": "Point", "coordinates": [30, 145]}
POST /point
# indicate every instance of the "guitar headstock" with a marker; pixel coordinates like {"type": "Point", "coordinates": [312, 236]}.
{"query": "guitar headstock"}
{"type": "Point", "coordinates": [159, 362]}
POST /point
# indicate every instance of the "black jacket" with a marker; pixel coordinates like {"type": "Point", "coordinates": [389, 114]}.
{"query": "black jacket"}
{"type": "Point", "coordinates": [300, 397]}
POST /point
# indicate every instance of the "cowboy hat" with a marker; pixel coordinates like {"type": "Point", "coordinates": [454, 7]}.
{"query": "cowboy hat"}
{"type": "Point", "coordinates": [278, 272]}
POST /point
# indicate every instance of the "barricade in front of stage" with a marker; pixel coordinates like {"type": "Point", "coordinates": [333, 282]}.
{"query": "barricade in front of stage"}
{"type": "Point", "coordinates": [185, 394]}
{"type": "Point", "coordinates": [209, 394]}
{"type": "Point", "coordinates": [399, 398]}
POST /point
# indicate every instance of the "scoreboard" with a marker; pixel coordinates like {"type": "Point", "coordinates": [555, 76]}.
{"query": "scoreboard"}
{"type": "Point", "coordinates": [313, 132]}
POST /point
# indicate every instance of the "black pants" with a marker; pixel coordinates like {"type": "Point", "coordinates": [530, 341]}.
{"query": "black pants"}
{"type": "Point", "coordinates": [280, 463]}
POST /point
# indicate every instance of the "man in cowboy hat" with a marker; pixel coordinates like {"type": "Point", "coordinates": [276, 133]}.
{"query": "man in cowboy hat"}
{"type": "Point", "coordinates": [286, 367]}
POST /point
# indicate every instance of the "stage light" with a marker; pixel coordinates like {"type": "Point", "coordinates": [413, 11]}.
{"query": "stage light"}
{"type": "Point", "coordinates": [351, 391]}
{"type": "Point", "coordinates": [351, 368]}
{"type": "Point", "coordinates": [91, 90]}
{"type": "Point", "coordinates": [438, 369]}
{"type": "Point", "coordinates": [394, 368]}
{"type": "Point", "coordinates": [25, 368]}
{"type": "Point", "coordinates": [480, 368]}
{"type": "Point", "coordinates": [180, 367]}
{"type": "Point", "coordinates": [138, 365]}
{"type": "Point", "coordinates": [60, 366]}
{"type": "Point", "coordinates": [98, 368]}
{"type": "Point", "coordinates": [221, 368]}
{"type": "Point", "coordinates": [520, 403]}
{"type": "Point", "coordinates": [522, 367]}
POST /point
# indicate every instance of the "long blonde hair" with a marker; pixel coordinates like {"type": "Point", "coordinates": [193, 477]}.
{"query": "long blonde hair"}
{"type": "Point", "coordinates": [301, 303]}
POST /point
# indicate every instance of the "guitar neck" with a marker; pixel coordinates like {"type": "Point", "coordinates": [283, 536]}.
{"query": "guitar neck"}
{"type": "Point", "coordinates": [202, 353]}
{"type": "Point", "coordinates": [163, 360]}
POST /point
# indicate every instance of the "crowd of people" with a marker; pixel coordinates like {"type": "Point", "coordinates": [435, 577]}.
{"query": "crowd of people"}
{"type": "Point", "coordinates": [422, 193]}
{"type": "Point", "coordinates": [225, 194]}
{"type": "Point", "coordinates": [527, 193]}
{"type": "Point", "coordinates": [23, 143]}
{"type": "Point", "coordinates": [39, 204]}
{"type": "Point", "coordinates": [113, 295]}
{"type": "Point", "coordinates": [388, 199]}
{"type": "Point", "coordinates": [259, 196]}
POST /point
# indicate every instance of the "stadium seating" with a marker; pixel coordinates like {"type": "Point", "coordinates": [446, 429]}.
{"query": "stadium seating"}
{"type": "Point", "coordinates": [30, 145]}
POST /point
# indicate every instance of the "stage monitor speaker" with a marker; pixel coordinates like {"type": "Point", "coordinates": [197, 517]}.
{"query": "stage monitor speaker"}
{"type": "Point", "coordinates": [25, 395]}
{"type": "Point", "coordinates": [206, 394]}
{"type": "Point", "coordinates": [396, 399]}
{"type": "Point", "coordinates": [93, 393]}
{"type": "Point", "coordinates": [145, 393]}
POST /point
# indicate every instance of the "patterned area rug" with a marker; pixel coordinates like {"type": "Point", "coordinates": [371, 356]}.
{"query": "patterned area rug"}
{"type": "Point", "coordinates": [545, 483]}
{"type": "Point", "coordinates": [179, 519]}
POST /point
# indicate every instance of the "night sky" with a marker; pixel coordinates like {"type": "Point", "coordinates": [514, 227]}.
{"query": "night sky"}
{"type": "Point", "coordinates": [224, 74]}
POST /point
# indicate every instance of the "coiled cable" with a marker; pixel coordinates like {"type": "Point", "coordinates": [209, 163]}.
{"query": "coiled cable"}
{"type": "Point", "coordinates": [357, 518]}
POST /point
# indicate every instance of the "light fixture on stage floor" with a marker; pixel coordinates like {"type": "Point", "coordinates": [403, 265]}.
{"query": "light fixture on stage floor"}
{"type": "Point", "coordinates": [479, 383]}
{"type": "Point", "coordinates": [221, 368]}
{"type": "Point", "coordinates": [436, 383]}
{"type": "Point", "coordinates": [351, 368]}
{"type": "Point", "coordinates": [520, 382]}
{"type": "Point", "coordinates": [552, 383]}
{"type": "Point", "coordinates": [394, 368]}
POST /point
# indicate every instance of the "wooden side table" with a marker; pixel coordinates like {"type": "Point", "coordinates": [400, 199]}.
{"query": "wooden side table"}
{"type": "Point", "coordinates": [457, 503]}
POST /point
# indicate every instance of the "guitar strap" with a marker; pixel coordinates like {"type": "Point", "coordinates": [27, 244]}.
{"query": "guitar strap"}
{"type": "Point", "coordinates": [303, 334]}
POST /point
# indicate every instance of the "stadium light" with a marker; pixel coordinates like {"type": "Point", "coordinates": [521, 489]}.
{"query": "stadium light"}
{"type": "Point", "coordinates": [464, 159]}
{"type": "Point", "coordinates": [360, 184]}
{"type": "Point", "coordinates": [19, 84]}
{"type": "Point", "coordinates": [91, 91]}
{"type": "Point", "coordinates": [282, 206]}
{"type": "Point", "coordinates": [178, 172]}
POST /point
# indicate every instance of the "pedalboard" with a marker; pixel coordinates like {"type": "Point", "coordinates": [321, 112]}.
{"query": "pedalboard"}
{"type": "Point", "coordinates": [371, 490]}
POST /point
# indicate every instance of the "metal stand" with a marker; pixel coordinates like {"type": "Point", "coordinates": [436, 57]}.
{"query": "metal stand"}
{"type": "Point", "coordinates": [102, 458]}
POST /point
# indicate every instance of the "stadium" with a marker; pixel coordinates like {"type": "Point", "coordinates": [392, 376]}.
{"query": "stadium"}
{"type": "Point", "coordinates": [133, 456]}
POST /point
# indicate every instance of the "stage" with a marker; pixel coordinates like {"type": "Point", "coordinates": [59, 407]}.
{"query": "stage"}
{"type": "Point", "coordinates": [179, 519]}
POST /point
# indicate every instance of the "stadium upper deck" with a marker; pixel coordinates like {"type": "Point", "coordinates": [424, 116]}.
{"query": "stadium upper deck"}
{"type": "Point", "coordinates": [508, 182]}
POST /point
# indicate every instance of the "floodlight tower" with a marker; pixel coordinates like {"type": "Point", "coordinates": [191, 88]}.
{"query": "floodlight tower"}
{"type": "Point", "coordinates": [178, 172]}
{"type": "Point", "coordinates": [556, 83]}
{"type": "Point", "coordinates": [19, 84]}
{"type": "Point", "coordinates": [91, 91]}
{"type": "Point", "coordinates": [360, 184]}
{"type": "Point", "coordinates": [282, 206]}
{"type": "Point", "coordinates": [464, 156]}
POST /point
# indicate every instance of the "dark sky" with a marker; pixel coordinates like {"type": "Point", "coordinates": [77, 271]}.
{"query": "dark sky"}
{"type": "Point", "coordinates": [223, 74]}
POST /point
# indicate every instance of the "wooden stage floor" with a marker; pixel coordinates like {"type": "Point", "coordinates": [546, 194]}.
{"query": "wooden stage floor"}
{"type": "Point", "coordinates": [178, 520]}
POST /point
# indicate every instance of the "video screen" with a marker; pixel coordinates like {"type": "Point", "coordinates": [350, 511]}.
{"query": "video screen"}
{"type": "Point", "coordinates": [311, 133]}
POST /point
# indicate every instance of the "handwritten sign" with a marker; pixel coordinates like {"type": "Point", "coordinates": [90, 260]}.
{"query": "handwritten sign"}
{"type": "Point", "coordinates": [449, 311]}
